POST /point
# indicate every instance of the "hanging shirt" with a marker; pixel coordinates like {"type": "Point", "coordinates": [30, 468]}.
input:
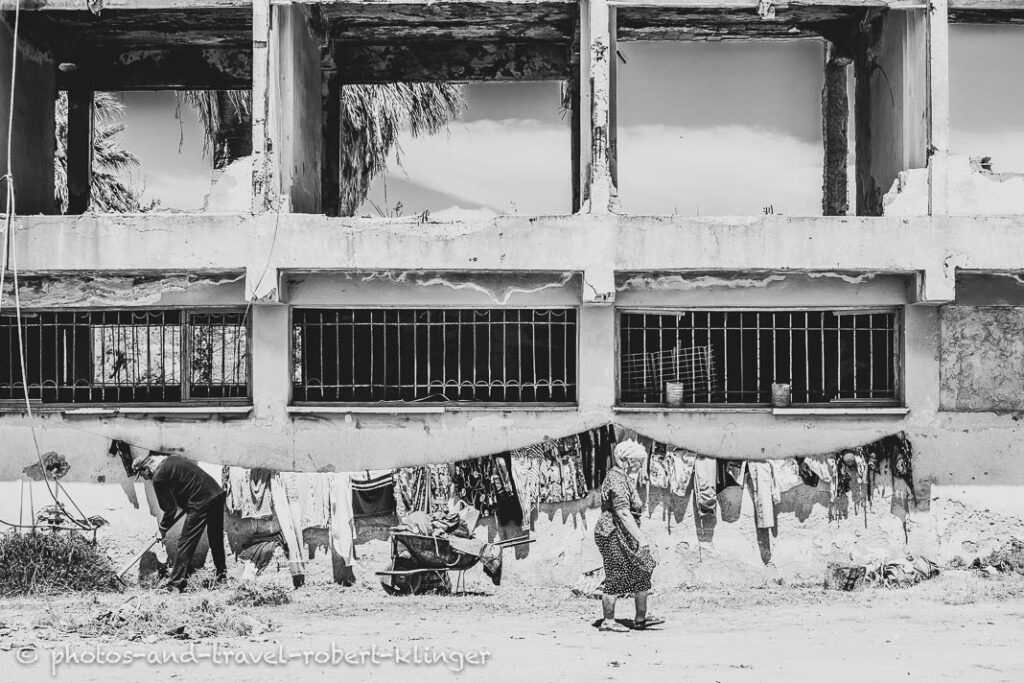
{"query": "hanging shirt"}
{"type": "Point", "coordinates": [373, 493]}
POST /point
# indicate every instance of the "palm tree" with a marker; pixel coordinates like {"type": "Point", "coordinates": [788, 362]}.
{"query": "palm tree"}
{"type": "Point", "coordinates": [109, 193]}
{"type": "Point", "coordinates": [372, 117]}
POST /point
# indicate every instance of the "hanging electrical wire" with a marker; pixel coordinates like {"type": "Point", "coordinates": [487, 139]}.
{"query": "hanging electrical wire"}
{"type": "Point", "coordinates": [9, 261]}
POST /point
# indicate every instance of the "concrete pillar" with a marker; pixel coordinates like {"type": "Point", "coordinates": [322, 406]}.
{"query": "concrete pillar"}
{"type": "Point", "coordinates": [891, 104]}
{"type": "Point", "coordinates": [262, 168]}
{"type": "Point", "coordinates": [835, 112]}
{"type": "Point", "coordinates": [597, 51]}
{"type": "Point", "coordinates": [938, 106]}
{"type": "Point", "coordinates": [32, 135]}
{"type": "Point", "coordinates": [596, 358]}
{"type": "Point", "coordinates": [271, 362]}
{"type": "Point", "coordinates": [575, 120]}
{"type": "Point", "coordinates": [79, 149]}
{"type": "Point", "coordinates": [295, 110]}
{"type": "Point", "coordinates": [330, 94]}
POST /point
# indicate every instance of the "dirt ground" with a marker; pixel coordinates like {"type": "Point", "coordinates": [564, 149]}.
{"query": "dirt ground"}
{"type": "Point", "coordinates": [959, 626]}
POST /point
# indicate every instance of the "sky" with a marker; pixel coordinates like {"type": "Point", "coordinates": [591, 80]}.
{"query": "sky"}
{"type": "Point", "coordinates": [169, 145]}
{"type": "Point", "coordinates": [703, 129]}
{"type": "Point", "coordinates": [986, 98]}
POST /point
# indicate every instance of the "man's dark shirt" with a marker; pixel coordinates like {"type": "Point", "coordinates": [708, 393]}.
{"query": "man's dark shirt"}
{"type": "Point", "coordinates": [181, 483]}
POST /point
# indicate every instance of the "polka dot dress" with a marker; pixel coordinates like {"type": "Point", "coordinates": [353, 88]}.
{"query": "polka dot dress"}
{"type": "Point", "coordinates": [626, 568]}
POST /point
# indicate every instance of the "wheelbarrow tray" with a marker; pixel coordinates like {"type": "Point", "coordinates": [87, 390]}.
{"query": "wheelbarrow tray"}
{"type": "Point", "coordinates": [431, 552]}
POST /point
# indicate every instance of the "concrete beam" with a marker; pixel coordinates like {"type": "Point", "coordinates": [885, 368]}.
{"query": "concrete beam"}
{"type": "Point", "coordinates": [79, 149]}
{"type": "Point", "coordinates": [184, 68]}
{"type": "Point", "coordinates": [429, 62]}
{"type": "Point", "coordinates": [933, 246]}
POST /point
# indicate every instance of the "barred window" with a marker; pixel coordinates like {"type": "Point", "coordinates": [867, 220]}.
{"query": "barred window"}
{"type": "Point", "coordinates": [735, 356]}
{"type": "Point", "coordinates": [164, 356]}
{"type": "Point", "coordinates": [472, 355]}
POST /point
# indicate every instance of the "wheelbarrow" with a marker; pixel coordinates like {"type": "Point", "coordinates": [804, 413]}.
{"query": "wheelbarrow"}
{"type": "Point", "coordinates": [421, 564]}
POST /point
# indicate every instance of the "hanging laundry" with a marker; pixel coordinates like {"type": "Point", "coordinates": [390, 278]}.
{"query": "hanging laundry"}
{"type": "Point", "coordinates": [587, 457]}
{"type": "Point", "coordinates": [260, 551]}
{"type": "Point", "coordinates": [705, 474]}
{"type": "Point", "coordinates": [659, 467]}
{"type": "Point", "coordinates": [680, 470]}
{"type": "Point", "coordinates": [313, 490]}
{"type": "Point", "coordinates": [248, 491]}
{"type": "Point", "coordinates": [123, 451]}
{"type": "Point", "coordinates": [807, 473]}
{"type": "Point", "coordinates": [284, 495]}
{"type": "Point", "coordinates": [730, 473]}
{"type": "Point", "coordinates": [786, 473]}
{"type": "Point", "coordinates": [765, 493]}
{"type": "Point", "coordinates": [576, 446]}
{"type": "Point", "coordinates": [373, 493]}
{"type": "Point", "coordinates": [819, 465]}
{"type": "Point", "coordinates": [422, 489]}
{"type": "Point", "coordinates": [341, 525]}
{"type": "Point", "coordinates": [473, 482]}
{"type": "Point", "coordinates": [526, 463]}
{"type": "Point", "coordinates": [507, 509]}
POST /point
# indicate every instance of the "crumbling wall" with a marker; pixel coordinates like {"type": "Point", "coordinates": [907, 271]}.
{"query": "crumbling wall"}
{"type": "Point", "coordinates": [982, 358]}
{"type": "Point", "coordinates": [974, 190]}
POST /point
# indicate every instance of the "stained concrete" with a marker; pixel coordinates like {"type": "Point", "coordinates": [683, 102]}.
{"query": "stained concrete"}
{"type": "Point", "coordinates": [982, 364]}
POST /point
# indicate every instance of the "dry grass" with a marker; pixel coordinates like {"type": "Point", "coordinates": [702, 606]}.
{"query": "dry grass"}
{"type": "Point", "coordinates": [150, 617]}
{"type": "Point", "coordinates": [251, 594]}
{"type": "Point", "coordinates": [53, 562]}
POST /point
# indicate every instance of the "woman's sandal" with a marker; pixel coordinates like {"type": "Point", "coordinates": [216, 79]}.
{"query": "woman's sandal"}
{"type": "Point", "coordinates": [642, 624]}
{"type": "Point", "coordinates": [612, 626]}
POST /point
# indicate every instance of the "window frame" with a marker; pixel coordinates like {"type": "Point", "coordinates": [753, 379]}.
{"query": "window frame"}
{"type": "Point", "coordinates": [898, 361]}
{"type": "Point", "coordinates": [502, 405]}
{"type": "Point", "coordinates": [17, 404]}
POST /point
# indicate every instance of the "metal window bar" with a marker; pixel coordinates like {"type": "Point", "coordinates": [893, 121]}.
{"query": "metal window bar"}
{"type": "Point", "coordinates": [734, 355]}
{"type": "Point", "coordinates": [468, 355]}
{"type": "Point", "coordinates": [88, 357]}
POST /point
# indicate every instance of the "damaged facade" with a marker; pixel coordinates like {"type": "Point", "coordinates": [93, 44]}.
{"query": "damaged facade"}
{"type": "Point", "coordinates": [290, 337]}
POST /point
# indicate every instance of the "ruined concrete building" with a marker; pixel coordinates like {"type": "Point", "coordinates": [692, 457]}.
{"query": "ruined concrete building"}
{"type": "Point", "coordinates": [291, 337]}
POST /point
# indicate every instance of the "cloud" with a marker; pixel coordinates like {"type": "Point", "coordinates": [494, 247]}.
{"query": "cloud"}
{"type": "Point", "coordinates": [510, 166]}
{"type": "Point", "coordinates": [728, 170]}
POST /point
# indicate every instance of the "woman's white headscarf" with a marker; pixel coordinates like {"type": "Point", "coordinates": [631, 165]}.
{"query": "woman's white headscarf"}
{"type": "Point", "coordinates": [629, 449]}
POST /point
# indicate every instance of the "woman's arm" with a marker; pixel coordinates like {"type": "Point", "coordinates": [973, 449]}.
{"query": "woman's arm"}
{"type": "Point", "coordinates": [626, 517]}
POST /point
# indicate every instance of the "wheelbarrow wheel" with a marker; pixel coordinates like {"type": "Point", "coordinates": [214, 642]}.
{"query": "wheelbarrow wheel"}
{"type": "Point", "coordinates": [408, 584]}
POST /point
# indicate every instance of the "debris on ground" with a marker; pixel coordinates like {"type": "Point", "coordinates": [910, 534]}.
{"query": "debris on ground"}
{"type": "Point", "coordinates": [149, 618]}
{"type": "Point", "coordinates": [252, 594]}
{"type": "Point", "coordinates": [901, 574]}
{"type": "Point", "coordinates": [53, 562]}
{"type": "Point", "coordinates": [889, 574]}
{"type": "Point", "coordinates": [1008, 559]}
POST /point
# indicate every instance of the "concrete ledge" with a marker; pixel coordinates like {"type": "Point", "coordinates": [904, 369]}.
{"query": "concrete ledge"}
{"type": "Point", "coordinates": [197, 411]}
{"type": "Point", "coordinates": [690, 409]}
{"type": "Point", "coordinates": [373, 410]}
{"type": "Point", "coordinates": [432, 409]}
{"type": "Point", "coordinates": [894, 411]}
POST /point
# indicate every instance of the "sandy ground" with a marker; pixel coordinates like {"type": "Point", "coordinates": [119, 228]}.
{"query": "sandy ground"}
{"type": "Point", "coordinates": [957, 627]}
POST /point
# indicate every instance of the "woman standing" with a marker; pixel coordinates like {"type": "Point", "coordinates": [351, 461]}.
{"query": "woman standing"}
{"type": "Point", "coordinates": [628, 563]}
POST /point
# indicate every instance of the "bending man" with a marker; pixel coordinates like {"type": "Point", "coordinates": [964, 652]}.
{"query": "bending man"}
{"type": "Point", "coordinates": [180, 484]}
